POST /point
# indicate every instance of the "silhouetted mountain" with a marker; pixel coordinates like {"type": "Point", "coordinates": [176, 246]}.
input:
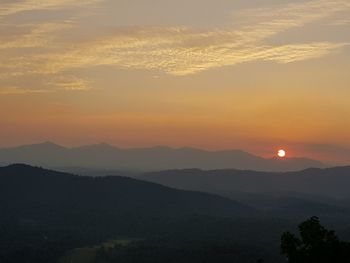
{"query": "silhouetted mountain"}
{"type": "Point", "coordinates": [332, 182]}
{"type": "Point", "coordinates": [104, 156]}
{"type": "Point", "coordinates": [292, 195]}
{"type": "Point", "coordinates": [35, 194]}
{"type": "Point", "coordinates": [296, 206]}
{"type": "Point", "coordinates": [46, 213]}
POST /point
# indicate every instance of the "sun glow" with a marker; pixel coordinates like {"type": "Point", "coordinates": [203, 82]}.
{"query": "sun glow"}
{"type": "Point", "coordinates": [281, 153]}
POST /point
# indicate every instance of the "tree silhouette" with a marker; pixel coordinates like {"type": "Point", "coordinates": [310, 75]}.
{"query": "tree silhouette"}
{"type": "Point", "coordinates": [316, 245]}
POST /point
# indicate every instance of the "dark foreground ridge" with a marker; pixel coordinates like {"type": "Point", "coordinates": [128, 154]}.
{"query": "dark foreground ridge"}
{"type": "Point", "coordinates": [25, 188]}
{"type": "Point", "coordinates": [46, 215]}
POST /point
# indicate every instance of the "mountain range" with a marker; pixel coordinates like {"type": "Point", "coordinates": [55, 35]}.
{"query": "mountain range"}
{"type": "Point", "coordinates": [35, 194]}
{"type": "Point", "coordinates": [327, 182]}
{"type": "Point", "coordinates": [292, 195]}
{"type": "Point", "coordinates": [46, 215]}
{"type": "Point", "coordinates": [107, 157]}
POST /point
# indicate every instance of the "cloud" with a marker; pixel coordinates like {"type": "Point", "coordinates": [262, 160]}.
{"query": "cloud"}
{"type": "Point", "coordinates": [16, 6]}
{"type": "Point", "coordinates": [70, 83]}
{"type": "Point", "coordinates": [176, 51]}
{"type": "Point", "coordinates": [293, 53]}
{"type": "Point", "coordinates": [34, 36]}
{"type": "Point", "coordinates": [20, 91]}
{"type": "Point", "coordinates": [180, 53]}
{"type": "Point", "coordinates": [340, 22]}
{"type": "Point", "coordinates": [23, 42]}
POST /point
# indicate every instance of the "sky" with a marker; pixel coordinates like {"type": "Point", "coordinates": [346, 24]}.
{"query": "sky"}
{"type": "Point", "coordinates": [245, 74]}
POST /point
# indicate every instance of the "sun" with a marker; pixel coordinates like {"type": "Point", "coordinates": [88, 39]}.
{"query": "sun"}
{"type": "Point", "coordinates": [281, 153]}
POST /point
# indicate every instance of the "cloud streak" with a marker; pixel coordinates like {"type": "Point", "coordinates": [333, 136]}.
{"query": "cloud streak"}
{"type": "Point", "coordinates": [176, 51]}
{"type": "Point", "coordinates": [41, 35]}
{"type": "Point", "coordinates": [340, 22]}
{"type": "Point", "coordinates": [21, 91]}
{"type": "Point", "coordinates": [15, 7]}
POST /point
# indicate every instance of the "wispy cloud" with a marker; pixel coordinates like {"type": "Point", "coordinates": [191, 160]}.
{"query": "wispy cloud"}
{"type": "Point", "coordinates": [173, 50]}
{"type": "Point", "coordinates": [14, 7]}
{"type": "Point", "coordinates": [340, 22]}
{"type": "Point", "coordinates": [70, 83]}
{"type": "Point", "coordinates": [21, 91]}
{"type": "Point", "coordinates": [35, 35]}
{"type": "Point", "coordinates": [23, 42]}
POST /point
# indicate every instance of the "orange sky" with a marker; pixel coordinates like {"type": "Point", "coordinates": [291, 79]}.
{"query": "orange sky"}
{"type": "Point", "coordinates": [249, 75]}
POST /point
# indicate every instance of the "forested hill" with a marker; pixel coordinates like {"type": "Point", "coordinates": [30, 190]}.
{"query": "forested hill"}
{"type": "Point", "coordinates": [331, 182]}
{"type": "Point", "coordinates": [36, 194]}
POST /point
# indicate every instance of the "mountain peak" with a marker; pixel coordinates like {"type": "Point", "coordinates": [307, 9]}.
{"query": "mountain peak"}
{"type": "Point", "coordinates": [49, 143]}
{"type": "Point", "coordinates": [46, 145]}
{"type": "Point", "coordinates": [96, 147]}
{"type": "Point", "coordinates": [20, 168]}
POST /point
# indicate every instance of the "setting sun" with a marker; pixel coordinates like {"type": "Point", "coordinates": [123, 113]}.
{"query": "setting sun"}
{"type": "Point", "coordinates": [281, 153]}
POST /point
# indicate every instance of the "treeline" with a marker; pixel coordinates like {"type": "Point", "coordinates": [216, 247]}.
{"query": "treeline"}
{"type": "Point", "coordinates": [188, 240]}
{"type": "Point", "coordinates": [316, 244]}
{"type": "Point", "coordinates": [180, 251]}
{"type": "Point", "coordinates": [195, 238]}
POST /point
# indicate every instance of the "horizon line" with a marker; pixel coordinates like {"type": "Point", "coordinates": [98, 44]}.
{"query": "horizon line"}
{"type": "Point", "coordinates": [49, 142]}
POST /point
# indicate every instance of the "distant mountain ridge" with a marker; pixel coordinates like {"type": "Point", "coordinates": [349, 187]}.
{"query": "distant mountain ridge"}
{"type": "Point", "coordinates": [105, 156]}
{"type": "Point", "coordinates": [332, 182]}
